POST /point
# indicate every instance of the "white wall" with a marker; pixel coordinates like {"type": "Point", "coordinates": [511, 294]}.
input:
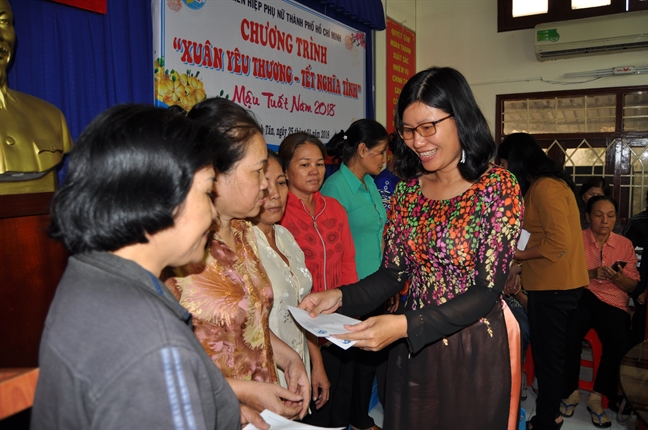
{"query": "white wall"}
{"type": "Point", "coordinates": [463, 34]}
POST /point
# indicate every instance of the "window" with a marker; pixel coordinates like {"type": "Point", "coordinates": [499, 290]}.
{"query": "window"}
{"type": "Point", "coordinates": [620, 111]}
{"type": "Point", "coordinates": [521, 14]}
{"type": "Point", "coordinates": [521, 8]}
{"type": "Point", "coordinates": [557, 115]}
{"type": "Point", "coordinates": [635, 111]}
{"type": "Point", "coordinates": [593, 132]}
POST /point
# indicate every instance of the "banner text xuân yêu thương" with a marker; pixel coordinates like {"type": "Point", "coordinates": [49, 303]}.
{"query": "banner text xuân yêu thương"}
{"type": "Point", "coordinates": [296, 69]}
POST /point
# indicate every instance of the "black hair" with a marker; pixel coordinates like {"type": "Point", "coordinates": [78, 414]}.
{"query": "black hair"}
{"type": "Point", "coordinates": [594, 200]}
{"type": "Point", "coordinates": [343, 146]}
{"type": "Point", "coordinates": [293, 141]}
{"type": "Point", "coordinates": [178, 109]}
{"type": "Point", "coordinates": [274, 156]}
{"type": "Point", "coordinates": [129, 173]}
{"type": "Point", "coordinates": [594, 182]}
{"type": "Point", "coordinates": [446, 89]}
{"type": "Point", "coordinates": [391, 142]}
{"type": "Point", "coordinates": [528, 162]}
{"type": "Point", "coordinates": [237, 124]}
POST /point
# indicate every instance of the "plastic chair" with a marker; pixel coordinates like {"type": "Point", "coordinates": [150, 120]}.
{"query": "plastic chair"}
{"type": "Point", "coordinates": [597, 351]}
{"type": "Point", "coordinates": [528, 367]}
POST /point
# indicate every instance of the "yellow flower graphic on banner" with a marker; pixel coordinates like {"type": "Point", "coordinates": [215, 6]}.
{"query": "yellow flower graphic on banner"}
{"type": "Point", "coordinates": [174, 88]}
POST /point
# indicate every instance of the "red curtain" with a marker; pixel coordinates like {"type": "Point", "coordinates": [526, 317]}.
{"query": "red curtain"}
{"type": "Point", "coordinates": [92, 5]}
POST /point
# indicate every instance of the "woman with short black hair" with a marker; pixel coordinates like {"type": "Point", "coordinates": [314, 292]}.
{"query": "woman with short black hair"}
{"type": "Point", "coordinates": [118, 350]}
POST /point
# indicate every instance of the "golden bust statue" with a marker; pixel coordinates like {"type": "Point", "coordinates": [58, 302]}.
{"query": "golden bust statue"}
{"type": "Point", "coordinates": [33, 133]}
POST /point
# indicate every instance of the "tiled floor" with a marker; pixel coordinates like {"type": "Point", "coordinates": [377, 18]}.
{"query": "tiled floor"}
{"type": "Point", "coordinates": [581, 418]}
{"type": "Point", "coordinates": [377, 414]}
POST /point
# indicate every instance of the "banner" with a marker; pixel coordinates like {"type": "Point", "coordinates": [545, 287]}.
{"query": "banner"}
{"type": "Point", "coordinates": [295, 69]}
{"type": "Point", "coordinates": [401, 64]}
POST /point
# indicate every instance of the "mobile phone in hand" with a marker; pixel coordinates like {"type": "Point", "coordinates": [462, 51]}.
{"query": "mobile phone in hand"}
{"type": "Point", "coordinates": [619, 265]}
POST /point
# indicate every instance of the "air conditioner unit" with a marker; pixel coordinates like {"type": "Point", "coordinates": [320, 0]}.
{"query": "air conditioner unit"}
{"type": "Point", "coordinates": [600, 35]}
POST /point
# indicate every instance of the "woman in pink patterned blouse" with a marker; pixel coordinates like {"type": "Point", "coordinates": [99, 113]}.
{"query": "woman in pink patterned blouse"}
{"type": "Point", "coordinates": [603, 307]}
{"type": "Point", "coordinates": [229, 293]}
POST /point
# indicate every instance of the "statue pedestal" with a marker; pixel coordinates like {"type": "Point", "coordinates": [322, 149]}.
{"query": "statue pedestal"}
{"type": "Point", "coordinates": [46, 184]}
{"type": "Point", "coordinates": [31, 265]}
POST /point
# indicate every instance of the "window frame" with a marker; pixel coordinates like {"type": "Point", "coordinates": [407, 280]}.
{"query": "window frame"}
{"type": "Point", "coordinates": [618, 122]}
{"type": "Point", "coordinates": [559, 10]}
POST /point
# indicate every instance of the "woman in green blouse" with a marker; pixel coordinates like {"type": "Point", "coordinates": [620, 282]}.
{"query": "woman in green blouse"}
{"type": "Point", "coordinates": [361, 151]}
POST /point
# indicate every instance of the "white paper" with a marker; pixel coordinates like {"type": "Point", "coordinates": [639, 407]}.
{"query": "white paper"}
{"type": "Point", "coordinates": [325, 325]}
{"type": "Point", "coordinates": [344, 344]}
{"type": "Point", "coordinates": [322, 325]}
{"type": "Point", "coordinates": [524, 238]}
{"type": "Point", "coordinates": [277, 422]}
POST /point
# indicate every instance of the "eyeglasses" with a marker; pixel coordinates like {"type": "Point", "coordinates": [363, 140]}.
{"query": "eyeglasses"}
{"type": "Point", "coordinates": [426, 129]}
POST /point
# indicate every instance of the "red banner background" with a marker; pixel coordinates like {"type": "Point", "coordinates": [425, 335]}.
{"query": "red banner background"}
{"type": "Point", "coordinates": [91, 5]}
{"type": "Point", "coordinates": [401, 64]}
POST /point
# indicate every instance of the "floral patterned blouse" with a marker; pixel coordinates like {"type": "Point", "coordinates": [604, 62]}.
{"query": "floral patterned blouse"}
{"type": "Point", "coordinates": [230, 296]}
{"type": "Point", "coordinates": [445, 249]}
{"type": "Point", "coordinates": [441, 241]}
{"type": "Point", "coordinates": [290, 284]}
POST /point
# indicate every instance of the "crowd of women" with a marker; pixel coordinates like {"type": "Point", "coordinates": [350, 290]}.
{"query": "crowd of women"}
{"type": "Point", "coordinates": [577, 275]}
{"type": "Point", "coordinates": [239, 233]}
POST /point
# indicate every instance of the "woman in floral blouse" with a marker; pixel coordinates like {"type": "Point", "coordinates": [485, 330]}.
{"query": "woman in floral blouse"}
{"type": "Point", "coordinates": [451, 234]}
{"type": "Point", "coordinates": [229, 293]}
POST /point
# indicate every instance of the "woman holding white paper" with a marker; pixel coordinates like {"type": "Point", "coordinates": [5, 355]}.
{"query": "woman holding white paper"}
{"type": "Point", "coordinates": [553, 267]}
{"type": "Point", "coordinates": [229, 293]}
{"type": "Point", "coordinates": [452, 232]}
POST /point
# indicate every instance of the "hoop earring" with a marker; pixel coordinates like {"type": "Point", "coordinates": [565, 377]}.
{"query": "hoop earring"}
{"type": "Point", "coordinates": [463, 156]}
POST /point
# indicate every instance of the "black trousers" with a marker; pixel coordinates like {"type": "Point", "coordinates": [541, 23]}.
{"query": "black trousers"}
{"type": "Point", "coordinates": [339, 365]}
{"type": "Point", "coordinates": [364, 373]}
{"type": "Point", "coordinates": [549, 316]}
{"type": "Point", "coordinates": [612, 326]}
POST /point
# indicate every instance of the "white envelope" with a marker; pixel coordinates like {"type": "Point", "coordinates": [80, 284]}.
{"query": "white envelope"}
{"type": "Point", "coordinates": [524, 239]}
{"type": "Point", "coordinates": [325, 325]}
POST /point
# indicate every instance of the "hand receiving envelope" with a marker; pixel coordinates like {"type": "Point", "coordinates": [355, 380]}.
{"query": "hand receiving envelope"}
{"type": "Point", "coordinates": [325, 325]}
